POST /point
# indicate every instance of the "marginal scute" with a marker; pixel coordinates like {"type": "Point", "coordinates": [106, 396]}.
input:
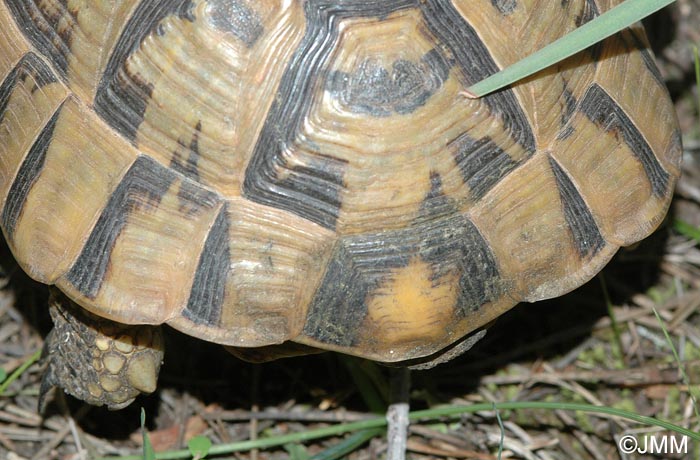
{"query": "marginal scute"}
{"type": "Point", "coordinates": [635, 39]}
{"type": "Point", "coordinates": [625, 88]}
{"type": "Point", "coordinates": [600, 109]}
{"type": "Point", "coordinates": [208, 293]}
{"type": "Point", "coordinates": [32, 71]}
{"type": "Point", "coordinates": [584, 229]}
{"type": "Point", "coordinates": [530, 235]}
{"type": "Point", "coordinates": [255, 276]}
{"type": "Point", "coordinates": [30, 97]}
{"type": "Point", "coordinates": [26, 176]}
{"type": "Point", "coordinates": [74, 165]}
{"type": "Point", "coordinates": [142, 188]}
{"type": "Point", "coordinates": [145, 209]}
{"type": "Point", "coordinates": [12, 42]}
{"type": "Point", "coordinates": [378, 274]}
{"type": "Point", "coordinates": [628, 165]}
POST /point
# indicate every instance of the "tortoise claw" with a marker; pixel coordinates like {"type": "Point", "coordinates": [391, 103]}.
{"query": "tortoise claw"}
{"type": "Point", "coordinates": [48, 381]}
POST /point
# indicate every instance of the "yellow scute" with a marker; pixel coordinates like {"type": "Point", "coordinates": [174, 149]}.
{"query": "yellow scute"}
{"type": "Point", "coordinates": [413, 304]}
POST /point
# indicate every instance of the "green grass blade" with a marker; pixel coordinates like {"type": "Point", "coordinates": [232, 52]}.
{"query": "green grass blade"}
{"type": "Point", "coordinates": [518, 405]}
{"type": "Point", "coordinates": [686, 229]}
{"type": "Point", "coordinates": [603, 26]}
{"type": "Point", "coordinates": [19, 371]}
{"type": "Point", "coordinates": [501, 440]}
{"type": "Point", "coordinates": [679, 363]}
{"type": "Point", "coordinates": [199, 447]}
{"type": "Point", "coordinates": [368, 383]}
{"type": "Point", "coordinates": [697, 74]}
{"type": "Point", "coordinates": [617, 335]}
{"type": "Point", "coordinates": [441, 412]}
{"type": "Point", "coordinates": [148, 452]}
{"type": "Point", "coordinates": [296, 451]}
{"type": "Point", "coordinates": [348, 445]}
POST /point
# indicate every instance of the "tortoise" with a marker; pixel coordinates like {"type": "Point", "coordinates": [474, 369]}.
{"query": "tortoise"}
{"type": "Point", "coordinates": [288, 176]}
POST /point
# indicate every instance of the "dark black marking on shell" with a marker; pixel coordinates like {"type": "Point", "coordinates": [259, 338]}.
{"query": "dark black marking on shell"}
{"type": "Point", "coordinates": [209, 285]}
{"type": "Point", "coordinates": [590, 12]}
{"type": "Point", "coordinates": [483, 164]}
{"type": "Point", "coordinates": [268, 179]}
{"type": "Point", "coordinates": [29, 67]}
{"type": "Point", "coordinates": [476, 63]}
{"type": "Point", "coordinates": [310, 190]}
{"type": "Point", "coordinates": [374, 90]}
{"type": "Point", "coordinates": [338, 309]}
{"type": "Point", "coordinates": [26, 177]}
{"type": "Point", "coordinates": [602, 110]}
{"type": "Point", "coordinates": [49, 31]}
{"type": "Point", "coordinates": [142, 188]}
{"type": "Point", "coordinates": [436, 204]}
{"type": "Point", "coordinates": [121, 96]}
{"type": "Point", "coordinates": [236, 18]}
{"type": "Point", "coordinates": [443, 252]}
{"type": "Point", "coordinates": [505, 6]}
{"type": "Point", "coordinates": [480, 281]}
{"type": "Point", "coordinates": [362, 264]}
{"type": "Point", "coordinates": [194, 199]}
{"type": "Point", "coordinates": [189, 149]}
{"type": "Point", "coordinates": [596, 51]}
{"type": "Point", "coordinates": [635, 40]}
{"type": "Point", "coordinates": [584, 230]}
{"type": "Point", "coordinates": [569, 105]}
{"type": "Point", "coordinates": [565, 132]}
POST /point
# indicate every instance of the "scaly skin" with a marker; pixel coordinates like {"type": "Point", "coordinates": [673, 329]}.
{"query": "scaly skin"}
{"type": "Point", "coordinates": [97, 360]}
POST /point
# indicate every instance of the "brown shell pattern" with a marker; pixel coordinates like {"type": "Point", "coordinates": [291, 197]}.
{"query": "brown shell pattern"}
{"type": "Point", "coordinates": [254, 172]}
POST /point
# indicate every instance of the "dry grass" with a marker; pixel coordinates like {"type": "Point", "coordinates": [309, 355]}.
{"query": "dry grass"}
{"type": "Point", "coordinates": [560, 350]}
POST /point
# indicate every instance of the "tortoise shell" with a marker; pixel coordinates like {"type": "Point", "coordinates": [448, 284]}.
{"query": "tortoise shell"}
{"type": "Point", "coordinates": [256, 172]}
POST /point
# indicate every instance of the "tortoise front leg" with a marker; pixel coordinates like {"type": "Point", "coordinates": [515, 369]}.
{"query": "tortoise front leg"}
{"type": "Point", "coordinates": [97, 360]}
